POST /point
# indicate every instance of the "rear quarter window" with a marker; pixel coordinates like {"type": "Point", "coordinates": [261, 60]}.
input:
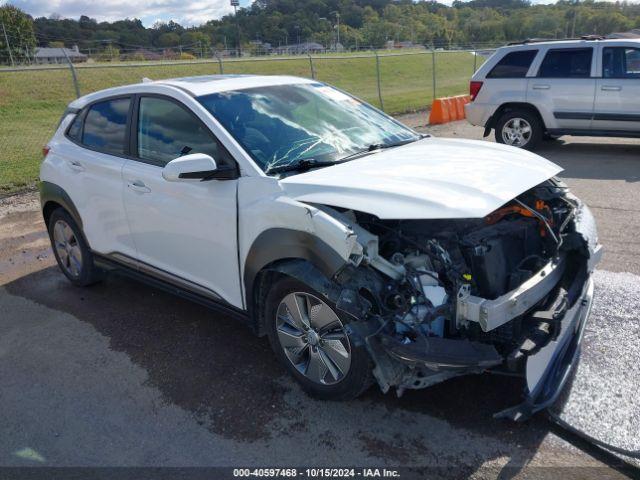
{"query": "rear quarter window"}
{"type": "Point", "coordinates": [513, 65]}
{"type": "Point", "coordinates": [75, 129]}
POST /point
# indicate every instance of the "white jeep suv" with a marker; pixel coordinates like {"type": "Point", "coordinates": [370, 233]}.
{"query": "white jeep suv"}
{"type": "Point", "coordinates": [364, 250]}
{"type": "Point", "coordinates": [546, 89]}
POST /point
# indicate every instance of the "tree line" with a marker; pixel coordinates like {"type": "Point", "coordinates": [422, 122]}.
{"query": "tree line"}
{"type": "Point", "coordinates": [357, 23]}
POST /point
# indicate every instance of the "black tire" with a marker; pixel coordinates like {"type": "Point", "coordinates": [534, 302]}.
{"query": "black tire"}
{"type": "Point", "coordinates": [87, 273]}
{"type": "Point", "coordinates": [537, 128]}
{"type": "Point", "coordinates": [359, 376]}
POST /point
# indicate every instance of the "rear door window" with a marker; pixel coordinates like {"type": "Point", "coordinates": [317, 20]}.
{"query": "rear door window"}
{"type": "Point", "coordinates": [567, 63]}
{"type": "Point", "coordinates": [621, 62]}
{"type": "Point", "coordinates": [105, 126]}
{"type": "Point", "coordinates": [513, 65]}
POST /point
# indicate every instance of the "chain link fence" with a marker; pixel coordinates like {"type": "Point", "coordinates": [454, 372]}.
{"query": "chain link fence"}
{"type": "Point", "coordinates": [33, 98]}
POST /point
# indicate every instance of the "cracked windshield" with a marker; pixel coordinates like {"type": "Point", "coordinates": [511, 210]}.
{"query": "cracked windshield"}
{"type": "Point", "coordinates": [289, 127]}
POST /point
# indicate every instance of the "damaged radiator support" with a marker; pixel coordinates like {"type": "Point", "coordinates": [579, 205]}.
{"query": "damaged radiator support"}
{"type": "Point", "coordinates": [491, 314]}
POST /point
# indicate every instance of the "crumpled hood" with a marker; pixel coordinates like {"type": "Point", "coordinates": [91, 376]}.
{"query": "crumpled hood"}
{"type": "Point", "coordinates": [428, 179]}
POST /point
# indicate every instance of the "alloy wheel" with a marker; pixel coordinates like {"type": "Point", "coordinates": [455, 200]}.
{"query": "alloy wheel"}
{"type": "Point", "coordinates": [67, 248]}
{"type": "Point", "coordinates": [313, 338]}
{"type": "Point", "coordinates": [516, 132]}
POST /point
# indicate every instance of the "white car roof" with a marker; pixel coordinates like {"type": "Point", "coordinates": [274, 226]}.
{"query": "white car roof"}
{"type": "Point", "coordinates": [206, 84]}
{"type": "Point", "coordinates": [197, 86]}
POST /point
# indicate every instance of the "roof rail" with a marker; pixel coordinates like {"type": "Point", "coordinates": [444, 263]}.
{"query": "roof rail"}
{"type": "Point", "coordinates": [540, 40]}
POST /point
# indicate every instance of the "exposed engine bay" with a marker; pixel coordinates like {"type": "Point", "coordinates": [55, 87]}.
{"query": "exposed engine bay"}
{"type": "Point", "coordinates": [439, 298]}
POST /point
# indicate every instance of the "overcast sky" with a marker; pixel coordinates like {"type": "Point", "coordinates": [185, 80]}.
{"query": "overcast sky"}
{"type": "Point", "coordinates": [191, 12]}
{"type": "Point", "coordinates": [186, 12]}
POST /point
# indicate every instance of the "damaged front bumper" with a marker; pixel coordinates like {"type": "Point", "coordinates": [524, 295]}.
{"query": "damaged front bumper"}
{"type": "Point", "coordinates": [548, 370]}
{"type": "Point", "coordinates": [434, 360]}
{"type": "Point", "coordinates": [532, 332]}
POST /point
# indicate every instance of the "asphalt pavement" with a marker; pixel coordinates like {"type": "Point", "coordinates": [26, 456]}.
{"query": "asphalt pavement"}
{"type": "Point", "coordinates": [120, 374]}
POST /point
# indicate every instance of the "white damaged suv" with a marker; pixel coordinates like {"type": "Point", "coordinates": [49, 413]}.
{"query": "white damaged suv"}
{"type": "Point", "coordinates": [365, 251]}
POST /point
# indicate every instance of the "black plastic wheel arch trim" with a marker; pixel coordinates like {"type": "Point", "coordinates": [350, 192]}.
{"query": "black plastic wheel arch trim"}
{"type": "Point", "coordinates": [50, 192]}
{"type": "Point", "coordinates": [285, 244]}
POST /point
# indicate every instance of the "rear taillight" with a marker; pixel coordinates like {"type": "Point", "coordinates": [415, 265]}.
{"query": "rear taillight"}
{"type": "Point", "coordinates": [45, 150]}
{"type": "Point", "coordinates": [474, 89]}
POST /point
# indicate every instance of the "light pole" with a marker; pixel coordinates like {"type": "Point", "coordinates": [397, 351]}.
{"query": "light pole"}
{"type": "Point", "coordinates": [329, 22]}
{"type": "Point", "coordinates": [337, 28]}
{"type": "Point", "coordinates": [235, 4]}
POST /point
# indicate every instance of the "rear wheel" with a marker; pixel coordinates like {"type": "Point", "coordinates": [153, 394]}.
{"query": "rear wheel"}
{"type": "Point", "coordinates": [519, 128]}
{"type": "Point", "coordinates": [71, 251]}
{"type": "Point", "coordinates": [309, 338]}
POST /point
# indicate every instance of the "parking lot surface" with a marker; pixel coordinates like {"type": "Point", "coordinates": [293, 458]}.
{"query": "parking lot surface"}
{"type": "Point", "coordinates": [121, 374]}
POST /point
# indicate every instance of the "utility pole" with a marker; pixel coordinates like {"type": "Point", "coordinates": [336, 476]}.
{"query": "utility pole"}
{"type": "Point", "coordinates": [6, 39]}
{"type": "Point", "coordinates": [235, 4]}
{"type": "Point", "coordinates": [575, 18]}
{"type": "Point", "coordinates": [337, 28]}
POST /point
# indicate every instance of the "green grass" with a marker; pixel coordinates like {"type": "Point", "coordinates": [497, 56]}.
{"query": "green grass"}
{"type": "Point", "coordinates": [31, 102]}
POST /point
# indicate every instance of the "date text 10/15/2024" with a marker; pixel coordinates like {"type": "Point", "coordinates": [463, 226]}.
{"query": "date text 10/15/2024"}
{"type": "Point", "coordinates": [316, 472]}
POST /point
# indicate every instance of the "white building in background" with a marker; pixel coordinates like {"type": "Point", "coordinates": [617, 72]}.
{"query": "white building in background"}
{"type": "Point", "coordinates": [57, 55]}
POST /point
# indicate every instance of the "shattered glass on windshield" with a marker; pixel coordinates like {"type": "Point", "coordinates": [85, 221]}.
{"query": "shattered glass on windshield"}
{"type": "Point", "coordinates": [302, 124]}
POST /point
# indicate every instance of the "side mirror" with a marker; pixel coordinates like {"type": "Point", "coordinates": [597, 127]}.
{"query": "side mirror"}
{"type": "Point", "coordinates": [196, 166]}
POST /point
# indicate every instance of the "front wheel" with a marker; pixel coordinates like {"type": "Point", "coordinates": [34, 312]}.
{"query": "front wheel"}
{"type": "Point", "coordinates": [519, 128]}
{"type": "Point", "coordinates": [309, 338]}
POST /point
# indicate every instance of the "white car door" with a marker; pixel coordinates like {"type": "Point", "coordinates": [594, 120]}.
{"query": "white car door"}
{"type": "Point", "coordinates": [617, 106]}
{"type": "Point", "coordinates": [184, 232]}
{"type": "Point", "coordinates": [564, 88]}
{"type": "Point", "coordinates": [93, 162]}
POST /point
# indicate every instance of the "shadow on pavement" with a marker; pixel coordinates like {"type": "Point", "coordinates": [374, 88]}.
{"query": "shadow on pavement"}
{"type": "Point", "coordinates": [594, 160]}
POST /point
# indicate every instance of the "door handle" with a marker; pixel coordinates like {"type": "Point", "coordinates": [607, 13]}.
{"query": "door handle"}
{"type": "Point", "coordinates": [75, 165]}
{"type": "Point", "coordinates": [541, 87]}
{"type": "Point", "coordinates": [611, 88]}
{"type": "Point", "coordinates": [138, 186]}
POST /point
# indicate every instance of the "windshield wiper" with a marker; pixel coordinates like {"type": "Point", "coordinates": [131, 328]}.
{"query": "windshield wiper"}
{"type": "Point", "coordinates": [374, 147]}
{"type": "Point", "coordinates": [301, 166]}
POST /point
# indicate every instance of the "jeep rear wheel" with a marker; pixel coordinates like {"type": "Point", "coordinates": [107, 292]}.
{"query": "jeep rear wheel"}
{"type": "Point", "coordinates": [519, 128]}
{"type": "Point", "coordinates": [309, 338]}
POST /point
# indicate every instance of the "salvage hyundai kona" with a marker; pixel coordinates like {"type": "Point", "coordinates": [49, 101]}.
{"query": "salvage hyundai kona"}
{"type": "Point", "coordinates": [365, 251]}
